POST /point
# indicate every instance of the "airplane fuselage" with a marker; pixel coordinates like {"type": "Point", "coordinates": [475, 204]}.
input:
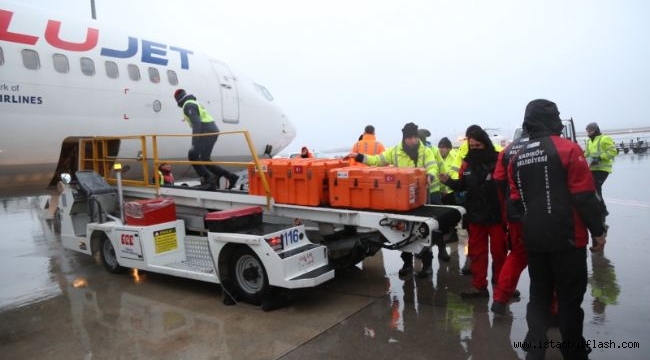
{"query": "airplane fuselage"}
{"type": "Point", "coordinates": [63, 79]}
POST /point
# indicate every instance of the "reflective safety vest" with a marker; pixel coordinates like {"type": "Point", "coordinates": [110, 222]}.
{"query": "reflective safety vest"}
{"type": "Point", "coordinates": [451, 167]}
{"type": "Point", "coordinates": [603, 149]}
{"type": "Point", "coordinates": [368, 145]}
{"type": "Point", "coordinates": [203, 113]}
{"type": "Point", "coordinates": [396, 156]}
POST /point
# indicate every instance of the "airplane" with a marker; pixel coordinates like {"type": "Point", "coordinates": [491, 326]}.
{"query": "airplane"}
{"type": "Point", "coordinates": [63, 79]}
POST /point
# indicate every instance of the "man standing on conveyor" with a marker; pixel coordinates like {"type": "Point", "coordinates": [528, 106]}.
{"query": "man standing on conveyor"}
{"type": "Point", "coordinates": [198, 118]}
{"type": "Point", "coordinates": [411, 153]}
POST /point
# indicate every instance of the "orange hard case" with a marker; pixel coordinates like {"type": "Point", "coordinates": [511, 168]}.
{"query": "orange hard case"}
{"type": "Point", "coordinates": [378, 188]}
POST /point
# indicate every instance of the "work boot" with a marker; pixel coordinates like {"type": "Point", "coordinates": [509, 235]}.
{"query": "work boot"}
{"type": "Point", "coordinates": [232, 180]}
{"type": "Point", "coordinates": [498, 308]}
{"type": "Point", "coordinates": [427, 259]}
{"type": "Point", "coordinates": [407, 268]}
{"type": "Point", "coordinates": [209, 183]}
{"type": "Point", "coordinates": [475, 293]}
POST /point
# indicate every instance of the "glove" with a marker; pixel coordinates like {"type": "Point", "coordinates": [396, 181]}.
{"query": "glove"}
{"type": "Point", "coordinates": [594, 161]}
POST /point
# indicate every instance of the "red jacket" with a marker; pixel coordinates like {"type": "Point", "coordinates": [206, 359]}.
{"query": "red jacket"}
{"type": "Point", "coordinates": [551, 179]}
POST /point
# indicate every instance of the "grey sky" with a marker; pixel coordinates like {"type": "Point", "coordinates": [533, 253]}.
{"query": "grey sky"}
{"type": "Point", "coordinates": [335, 66]}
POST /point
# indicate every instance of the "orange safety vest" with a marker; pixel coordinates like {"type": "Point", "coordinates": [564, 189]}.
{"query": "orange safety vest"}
{"type": "Point", "coordinates": [368, 145]}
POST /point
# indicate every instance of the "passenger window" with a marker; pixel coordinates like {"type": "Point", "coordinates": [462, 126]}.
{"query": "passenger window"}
{"type": "Point", "coordinates": [87, 66]}
{"type": "Point", "coordinates": [31, 59]}
{"type": "Point", "coordinates": [61, 63]}
{"type": "Point", "coordinates": [172, 77]}
{"type": "Point", "coordinates": [134, 72]}
{"type": "Point", "coordinates": [111, 69]}
{"type": "Point", "coordinates": [154, 75]}
{"type": "Point", "coordinates": [2, 57]}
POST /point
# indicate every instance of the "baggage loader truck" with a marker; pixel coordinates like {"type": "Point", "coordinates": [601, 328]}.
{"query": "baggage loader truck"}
{"type": "Point", "coordinates": [248, 243]}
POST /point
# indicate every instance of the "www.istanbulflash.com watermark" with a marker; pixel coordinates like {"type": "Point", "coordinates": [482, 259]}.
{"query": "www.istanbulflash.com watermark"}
{"type": "Point", "coordinates": [610, 344]}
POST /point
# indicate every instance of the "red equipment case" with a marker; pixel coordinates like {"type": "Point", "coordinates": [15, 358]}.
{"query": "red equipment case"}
{"type": "Point", "coordinates": [234, 219]}
{"type": "Point", "coordinates": [149, 211]}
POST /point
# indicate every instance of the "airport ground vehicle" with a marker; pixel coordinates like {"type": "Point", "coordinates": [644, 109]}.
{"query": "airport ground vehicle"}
{"type": "Point", "coordinates": [568, 132]}
{"type": "Point", "coordinates": [271, 248]}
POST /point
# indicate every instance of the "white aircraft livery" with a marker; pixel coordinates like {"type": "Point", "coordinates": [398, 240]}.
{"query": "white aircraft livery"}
{"type": "Point", "coordinates": [63, 79]}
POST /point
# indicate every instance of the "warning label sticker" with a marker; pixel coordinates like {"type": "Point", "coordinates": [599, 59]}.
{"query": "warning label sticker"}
{"type": "Point", "coordinates": [165, 240]}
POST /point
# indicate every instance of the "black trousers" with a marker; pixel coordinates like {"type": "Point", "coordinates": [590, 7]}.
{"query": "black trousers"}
{"type": "Point", "coordinates": [564, 272]}
{"type": "Point", "coordinates": [201, 151]}
{"type": "Point", "coordinates": [599, 179]}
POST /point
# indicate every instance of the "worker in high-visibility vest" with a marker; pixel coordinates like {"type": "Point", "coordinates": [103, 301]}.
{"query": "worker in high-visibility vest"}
{"type": "Point", "coordinates": [198, 118]}
{"type": "Point", "coordinates": [600, 152]}
{"type": "Point", "coordinates": [368, 143]}
{"type": "Point", "coordinates": [411, 152]}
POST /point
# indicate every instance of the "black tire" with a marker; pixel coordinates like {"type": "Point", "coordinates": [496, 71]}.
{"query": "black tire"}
{"type": "Point", "coordinates": [109, 258]}
{"type": "Point", "coordinates": [247, 276]}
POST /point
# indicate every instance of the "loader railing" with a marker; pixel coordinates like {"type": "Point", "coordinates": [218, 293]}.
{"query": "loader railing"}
{"type": "Point", "coordinates": [140, 155]}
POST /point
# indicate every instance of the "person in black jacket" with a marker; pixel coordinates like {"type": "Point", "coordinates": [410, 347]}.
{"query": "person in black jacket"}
{"type": "Point", "coordinates": [198, 118]}
{"type": "Point", "coordinates": [485, 226]}
{"type": "Point", "coordinates": [552, 186]}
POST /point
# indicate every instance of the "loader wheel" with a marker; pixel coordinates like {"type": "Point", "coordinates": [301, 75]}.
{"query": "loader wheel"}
{"type": "Point", "coordinates": [109, 259]}
{"type": "Point", "coordinates": [248, 276]}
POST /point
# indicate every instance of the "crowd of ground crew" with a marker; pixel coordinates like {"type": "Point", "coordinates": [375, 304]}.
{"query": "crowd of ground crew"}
{"type": "Point", "coordinates": [532, 204]}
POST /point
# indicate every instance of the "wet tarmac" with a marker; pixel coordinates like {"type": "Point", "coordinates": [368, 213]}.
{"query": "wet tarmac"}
{"type": "Point", "coordinates": [58, 304]}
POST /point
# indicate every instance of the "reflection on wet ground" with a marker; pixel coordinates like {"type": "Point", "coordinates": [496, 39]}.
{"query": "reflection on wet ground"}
{"type": "Point", "coordinates": [57, 304]}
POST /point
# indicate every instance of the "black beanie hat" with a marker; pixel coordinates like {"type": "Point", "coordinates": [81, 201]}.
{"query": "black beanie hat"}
{"type": "Point", "coordinates": [409, 130]}
{"type": "Point", "coordinates": [444, 143]}
{"type": "Point", "coordinates": [179, 95]}
{"type": "Point", "coordinates": [369, 130]}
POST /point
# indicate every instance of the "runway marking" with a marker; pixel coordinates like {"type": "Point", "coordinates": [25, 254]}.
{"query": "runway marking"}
{"type": "Point", "coordinates": [627, 202]}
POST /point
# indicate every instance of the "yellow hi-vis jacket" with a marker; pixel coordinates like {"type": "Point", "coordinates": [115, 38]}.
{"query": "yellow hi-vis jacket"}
{"type": "Point", "coordinates": [600, 153]}
{"type": "Point", "coordinates": [205, 116]}
{"type": "Point", "coordinates": [396, 156]}
{"type": "Point", "coordinates": [451, 167]}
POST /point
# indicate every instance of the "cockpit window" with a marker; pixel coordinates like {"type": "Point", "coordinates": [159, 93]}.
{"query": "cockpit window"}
{"type": "Point", "coordinates": [264, 92]}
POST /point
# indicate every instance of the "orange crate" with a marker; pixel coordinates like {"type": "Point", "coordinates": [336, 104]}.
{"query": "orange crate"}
{"type": "Point", "coordinates": [277, 172]}
{"type": "Point", "coordinates": [295, 181]}
{"type": "Point", "coordinates": [255, 186]}
{"type": "Point", "coordinates": [308, 181]}
{"type": "Point", "coordinates": [378, 188]}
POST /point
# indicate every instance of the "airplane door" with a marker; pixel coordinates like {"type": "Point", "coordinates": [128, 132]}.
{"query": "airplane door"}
{"type": "Point", "coordinates": [229, 97]}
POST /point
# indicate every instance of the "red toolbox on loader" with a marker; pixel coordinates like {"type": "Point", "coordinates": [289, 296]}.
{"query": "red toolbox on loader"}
{"type": "Point", "coordinates": [149, 211]}
{"type": "Point", "coordinates": [378, 188]}
{"type": "Point", "coordinates": [234, 219]}
{"type": "Point", "coordinates": [297, 181]}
